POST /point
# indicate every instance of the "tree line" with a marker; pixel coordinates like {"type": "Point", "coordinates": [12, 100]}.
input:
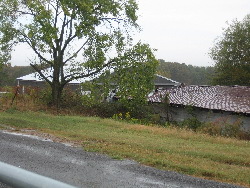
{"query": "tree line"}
{"type": "Point", "coordinates": [187, 74]}
{"type": "Point", "coordinates": [8, 74]}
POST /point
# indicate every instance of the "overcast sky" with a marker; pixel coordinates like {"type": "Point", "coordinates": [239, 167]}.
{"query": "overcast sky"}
{"type": "Point", "coordinates": [182, 31]}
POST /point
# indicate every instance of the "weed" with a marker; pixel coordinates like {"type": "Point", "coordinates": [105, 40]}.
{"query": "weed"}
{"type": "Point", "coordinates": [191, 123]}
{"type": "Point", "coordinates": [223, 127]}
{"type": "Point", "coordinates": [11, 110]}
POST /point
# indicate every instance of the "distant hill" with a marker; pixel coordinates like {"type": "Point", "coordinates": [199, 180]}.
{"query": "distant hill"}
{"type": "Point", "coordinates": [9, 74]}
{"type": "Point", "coordinates": [188, 74]}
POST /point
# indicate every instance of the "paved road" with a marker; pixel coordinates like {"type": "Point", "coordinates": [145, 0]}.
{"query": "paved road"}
{"type": "Point", "coordinates": [85, 169]}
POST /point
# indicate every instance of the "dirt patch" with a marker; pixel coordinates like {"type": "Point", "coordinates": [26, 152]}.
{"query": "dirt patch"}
{"type": "Point", "coordinates": [41, 135]}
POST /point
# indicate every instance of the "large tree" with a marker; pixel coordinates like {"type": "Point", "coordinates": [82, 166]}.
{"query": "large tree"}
{"type": "Point", "coordinates": [231, 54]}
{"type": "Point", "coordinates": [89, 36]}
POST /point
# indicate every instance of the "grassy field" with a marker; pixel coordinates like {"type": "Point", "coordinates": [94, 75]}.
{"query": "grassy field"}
{"type": "Point", "coordinates": [215, 158]}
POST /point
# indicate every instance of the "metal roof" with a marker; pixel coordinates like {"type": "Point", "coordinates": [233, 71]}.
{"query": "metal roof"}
{"type": "Point", "coordinates": [48, 73]}
{"type": "Point", "coordinates": [159, 80]}
{"type": "Point", "coordinates": [226, 98]}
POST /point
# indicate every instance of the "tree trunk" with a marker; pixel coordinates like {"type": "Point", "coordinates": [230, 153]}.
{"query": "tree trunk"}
{"type": "Point", "coordinates": [56, 87]}
{"type": "Point", "coordinates": [56, 94]}
{"type": "Point", "coordinates": [58, 76]}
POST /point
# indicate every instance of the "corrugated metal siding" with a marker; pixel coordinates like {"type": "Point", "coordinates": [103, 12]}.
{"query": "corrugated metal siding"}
{"type": "Point", "coordinates": [226, 98]}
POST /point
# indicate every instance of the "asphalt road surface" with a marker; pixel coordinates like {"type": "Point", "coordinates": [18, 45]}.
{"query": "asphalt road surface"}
{"type": "Point", "coordinates": [86, 169]}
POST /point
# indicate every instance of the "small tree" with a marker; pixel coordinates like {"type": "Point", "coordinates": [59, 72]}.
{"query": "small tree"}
{"type": "Point", "coordinates": [130, 83]}
{"type": "Point", "coordinates": [89, 36]}
{"type": "Point", "coordinates": [135, 80]}
{"type": "Point", "coordinates": [231, 54]}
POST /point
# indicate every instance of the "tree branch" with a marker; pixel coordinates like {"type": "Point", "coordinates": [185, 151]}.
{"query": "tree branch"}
{"type": "Point", "coordinates": [62, 30]}
{"type": "Point", "coordinates": [115, 19]}
{"type": "Point", "coordinates": [89, 74]}
{"type": "Point", "coordinates": [29, 42]}
{"type": "Point", "coordinates": [26, 13]}
{"type": "Point", "coordinates": [76, 53]}
{"type": "Point", "coordinates": [70, 37]}
{"type": "Point", "coordinates": [40, 73]}
{"type": "Point", "coordinates": [41, 23]}
{"type": "Point", "coordinates": [56, 14]}
{"type": "Point", "coordinates": [68, 41]}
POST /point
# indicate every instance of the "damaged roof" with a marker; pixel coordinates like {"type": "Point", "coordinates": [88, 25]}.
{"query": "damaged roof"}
{"type": "Point", "coordinates": [226, 98]}
{"type": "Point", "coordinates": [161, 81]}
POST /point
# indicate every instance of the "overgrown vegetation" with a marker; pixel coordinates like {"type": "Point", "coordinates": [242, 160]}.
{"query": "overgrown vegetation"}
{"type": "Point", "coordinates": [216, 158]}
{"type": "Point", "coordinates": [37, 99]}
{"type": "Point", "coordinates": [219, 127]}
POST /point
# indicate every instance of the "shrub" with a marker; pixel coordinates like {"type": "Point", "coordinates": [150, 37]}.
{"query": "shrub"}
{"type": "Point", "coordinates": [223, 127]}
{"type": "Point", "coordinates": [155, 118]}
{"type": "Point", "coordinates": [70, 99]}
{"type": "Point", "coordinates": [191, 123]}
{"type": "Point", "coordinates": [45, 95]}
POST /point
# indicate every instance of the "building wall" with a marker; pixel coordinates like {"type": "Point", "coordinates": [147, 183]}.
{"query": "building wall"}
{"type": "Point", "coordinates": [180, 113]}
{"type": "Point", "coordinates": [24, 84]}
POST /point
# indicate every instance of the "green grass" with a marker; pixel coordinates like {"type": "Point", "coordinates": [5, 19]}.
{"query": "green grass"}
{"type": "Point", "coordinates": [216, 158]}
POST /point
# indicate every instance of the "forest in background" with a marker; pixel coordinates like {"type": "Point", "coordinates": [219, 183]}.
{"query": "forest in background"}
{"type": "Point", "coordinates": [8, 74]}
{"type": "Point", "coordinates": [188, 74]}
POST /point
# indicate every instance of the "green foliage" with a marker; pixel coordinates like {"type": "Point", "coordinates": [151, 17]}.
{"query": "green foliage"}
{"type": "Point", "coordinates": [155, 118]}
{"type": "Point", "coordinates": [88, 36]}
{"type": "Point", "coordinates": [46, 96]}
{"type": "Point", "coordinates": [188, 74]}
{"type": "Point", "coordinates": [135, 80]}
{"type": "Point", "coordinates": [191, 123]}
{"type": "Point", "coordinates": [95, 92]}
{"type": "Point", "coordinates": [132, 79]}
{"type": "Point", "coordinates": [11, 110]}
{"type": "Point", "coordinates": [70, 99]}
{"type": "Point", "coordinates": [231, 54]}
{"type": "Point", "coordinates": [103, 109]}
{"type": "Point", "coordinates": [111, 110]}
{"type": "Point", "coordinates": [8, 74]}
{"type": "Point", "coordinates": [190, 110]}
